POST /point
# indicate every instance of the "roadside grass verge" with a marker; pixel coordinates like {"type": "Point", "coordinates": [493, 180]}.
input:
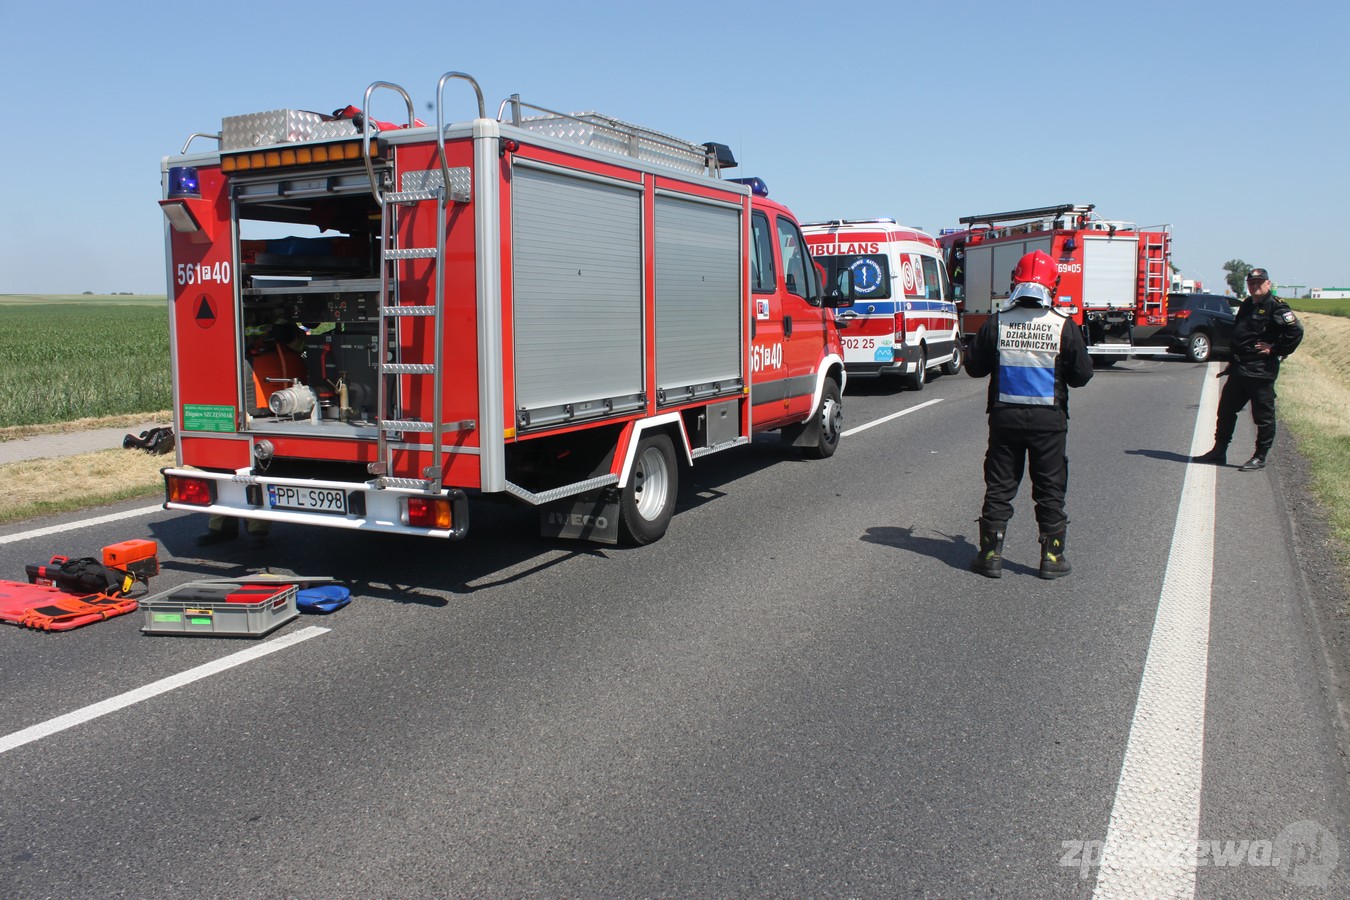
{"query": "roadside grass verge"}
{"type": "Point", "coordinates": [43, 487]}
{"type": "Point", "coordinates": [1315, 403]}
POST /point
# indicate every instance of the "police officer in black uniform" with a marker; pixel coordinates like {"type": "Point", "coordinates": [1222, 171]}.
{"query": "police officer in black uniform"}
{"type": "Point", "coordinates": [1034, 353]}
{"type": "Point", "coordinates": [1265, 331]}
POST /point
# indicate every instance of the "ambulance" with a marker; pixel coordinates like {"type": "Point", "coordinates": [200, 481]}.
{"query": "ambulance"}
{"type": "Point", "coordinates": [554, 309]}
{"type": "Point", "coordinates": [903, 321]}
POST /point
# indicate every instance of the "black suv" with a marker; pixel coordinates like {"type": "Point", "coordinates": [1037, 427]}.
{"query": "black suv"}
{"type": "Point", "coordinates": [1198, 325]}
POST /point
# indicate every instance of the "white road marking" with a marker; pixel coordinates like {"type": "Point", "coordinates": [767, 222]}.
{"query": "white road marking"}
{"type": "Point", "coordinates": [1156, 814]}
{"type": "Point", "coordinates": [164, 685]}
{"type": "Point", "coordinates": [83, 523]}
{"type": "Point", "coordinates": [883, 419]}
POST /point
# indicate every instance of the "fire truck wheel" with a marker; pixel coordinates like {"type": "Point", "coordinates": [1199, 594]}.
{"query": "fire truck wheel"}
{"type": "Point", "coordinates": [919, 377]}
{"type": "Point", "coordinates": [830, 417]}
{"type": "Point", "coordinates": [648, 500]}
{"type": "Point", "coordinates": [953, 365]}
{"type": "Point", "coordinates": [1199, 347]}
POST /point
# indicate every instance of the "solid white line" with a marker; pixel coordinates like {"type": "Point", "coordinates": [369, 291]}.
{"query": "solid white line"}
{"type": "Point", "coordinates": [1156, 814]}
{"type": "Point", "coordinates": [164, 685]}
{"type": "Point", "coordinates": [83, 523]}
{"type": "Point", "coordinates": [903, 412]}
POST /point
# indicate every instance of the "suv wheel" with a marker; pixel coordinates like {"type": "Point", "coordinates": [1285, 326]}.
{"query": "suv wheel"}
{"type": "Point", "coordinates": [1198, 348]}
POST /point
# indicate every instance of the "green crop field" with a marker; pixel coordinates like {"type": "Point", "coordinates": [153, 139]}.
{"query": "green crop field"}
{"type": "Point", "coordinates": [64, 358]}
{"type": "Point", "coordinates": [1325, 307]}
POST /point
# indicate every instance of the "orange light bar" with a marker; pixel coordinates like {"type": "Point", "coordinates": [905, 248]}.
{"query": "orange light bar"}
{"type": "Point", "coordinates": [281, 157]}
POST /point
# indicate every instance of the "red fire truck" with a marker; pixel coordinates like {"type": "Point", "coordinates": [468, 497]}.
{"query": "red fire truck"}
{"type": "Point", "coordinates": [554, 308]}
{"type": "Point", "coordinates": [1113, 275]}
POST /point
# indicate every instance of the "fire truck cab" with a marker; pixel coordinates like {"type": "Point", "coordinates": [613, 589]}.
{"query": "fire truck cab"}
{"type": "Point", "coordinates": [904, 320]}
{"type": "Point", "coordinates": [560, 309]}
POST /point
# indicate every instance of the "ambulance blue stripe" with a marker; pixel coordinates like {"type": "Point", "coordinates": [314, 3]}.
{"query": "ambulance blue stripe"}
{"type": "Point", "coordinates": [888, 307]}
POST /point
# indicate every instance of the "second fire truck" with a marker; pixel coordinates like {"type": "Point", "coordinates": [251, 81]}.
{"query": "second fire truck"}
{"type": "Point", "coordinates": [1114, 275]}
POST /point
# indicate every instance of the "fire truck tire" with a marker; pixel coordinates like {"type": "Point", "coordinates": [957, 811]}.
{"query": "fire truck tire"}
{"type": "Point", "coordinates": [648, 501]}
{"type": "Point", "coordinates": [953, 365]}
{"type": "Point", "coordinates": [830, 419]}
{"type": "Point", "coordinates": [919, 377]}
{"type": "Point", "coordinates": [1199, 348]}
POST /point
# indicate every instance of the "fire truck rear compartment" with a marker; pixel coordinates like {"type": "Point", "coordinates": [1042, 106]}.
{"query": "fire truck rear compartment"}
{"type": "Point", "coordinates": [327, 283]}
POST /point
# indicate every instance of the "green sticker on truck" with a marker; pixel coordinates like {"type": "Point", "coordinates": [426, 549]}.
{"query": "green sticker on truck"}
{"type": "Point", "coordinates": [205, 417]}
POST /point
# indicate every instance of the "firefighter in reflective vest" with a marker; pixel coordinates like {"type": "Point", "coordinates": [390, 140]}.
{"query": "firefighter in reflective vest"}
{"type": "Point", "coordinates": [1032, 353]}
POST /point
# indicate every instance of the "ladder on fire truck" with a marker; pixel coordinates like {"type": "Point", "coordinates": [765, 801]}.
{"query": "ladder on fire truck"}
{"type": "Point", "coordinates": [1153, 275]}
{"type": "Point", "coordinates": [416, 189]}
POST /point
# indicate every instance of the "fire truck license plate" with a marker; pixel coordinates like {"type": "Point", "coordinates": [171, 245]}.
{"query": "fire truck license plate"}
{"type": "Point", "coordinates": [326, 500]}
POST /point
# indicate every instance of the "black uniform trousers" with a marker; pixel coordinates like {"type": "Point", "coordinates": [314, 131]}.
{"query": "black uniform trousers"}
{"type": "Point", "coordinates": [1238, 391]}
{"type": "Point", "coordinates": [1042, 453]}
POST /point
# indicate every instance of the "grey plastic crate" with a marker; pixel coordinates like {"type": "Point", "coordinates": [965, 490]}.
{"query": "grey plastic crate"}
{"type": "Point", "coordinates": [203, 609]}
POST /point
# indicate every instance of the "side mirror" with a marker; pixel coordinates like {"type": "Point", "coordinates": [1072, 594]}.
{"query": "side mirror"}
{"type": "Point", "coordinates": [841, 292]}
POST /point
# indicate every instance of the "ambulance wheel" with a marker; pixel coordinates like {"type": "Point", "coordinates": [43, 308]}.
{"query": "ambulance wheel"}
{"type": "Point", "coordinates": [648, 500]}
{"type": "Point", "coordinates": [830, 419]}
{"type": "Point", "coordinates": [919, 377]}
{"type": "Point", "coordinates": [953, 365]}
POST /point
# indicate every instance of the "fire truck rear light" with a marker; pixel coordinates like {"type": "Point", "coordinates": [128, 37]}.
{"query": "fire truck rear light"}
{"type": "Point", "coordinates": [183, 182]}
{"type": "Point", "coordinates": [193, 491]}
{"type": "Point", "coordinates": [429, 512]}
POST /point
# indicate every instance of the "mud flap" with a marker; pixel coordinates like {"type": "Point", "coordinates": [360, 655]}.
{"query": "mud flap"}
{"type": "Point", "coordinates": [593, 517]}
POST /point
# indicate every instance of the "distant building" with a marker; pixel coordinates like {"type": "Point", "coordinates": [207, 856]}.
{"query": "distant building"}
{"type": "Point", "coordinates": [1331, 293]}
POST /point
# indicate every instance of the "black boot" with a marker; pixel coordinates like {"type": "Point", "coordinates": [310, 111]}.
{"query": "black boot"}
{"type": "Point", "coordinates": [1054, 564]}
{"type": "Point", "coordinates": [1218, 456]}
{"type": "Point", "coordinates": [989, 561]}
{"type": "Point", "coordinates": [220, 530]}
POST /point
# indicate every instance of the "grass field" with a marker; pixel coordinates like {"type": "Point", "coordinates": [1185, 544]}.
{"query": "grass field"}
{"type": "Point", "coordinates": [1314, 398]}
{"type": "Point", "coordinates": [79, 357]}
{"type": "Point", "coordinates": [1322, 307]}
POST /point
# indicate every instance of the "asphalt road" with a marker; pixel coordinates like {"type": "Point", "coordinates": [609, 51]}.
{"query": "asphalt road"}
{"type": "Point", "coordinates": [800, 691]}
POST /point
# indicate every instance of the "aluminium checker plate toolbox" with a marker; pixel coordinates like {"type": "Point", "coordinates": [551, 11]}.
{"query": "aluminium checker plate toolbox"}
{"type": "Point", "coordinates": [220, 610]}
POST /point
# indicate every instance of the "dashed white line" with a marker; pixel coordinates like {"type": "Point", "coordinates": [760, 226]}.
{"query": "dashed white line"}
{"type": "Point", "coordinates": [1156, 814]}
{"type": "Point", "coordinates": [154, 689]}
{"type": "Point", "coordinates": [82, 523]}
{"type": "Point", "coordinates": [884, 419]}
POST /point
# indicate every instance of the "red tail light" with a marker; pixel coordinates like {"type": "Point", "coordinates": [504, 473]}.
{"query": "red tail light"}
{"type": "Point", "coordinates": [1180, 314]}
{"type": "Point", "coordinates": [196, 491]}
{"type": "Point", "coordinates": [430, 512]}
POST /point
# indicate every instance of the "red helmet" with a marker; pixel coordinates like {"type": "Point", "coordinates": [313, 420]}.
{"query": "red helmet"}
{"type": "Point", "coordinates": [1037, 276]}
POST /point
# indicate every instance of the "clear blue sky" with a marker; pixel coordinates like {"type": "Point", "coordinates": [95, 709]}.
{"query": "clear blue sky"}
{"type": "Point", "coordinates": [1225, 120]}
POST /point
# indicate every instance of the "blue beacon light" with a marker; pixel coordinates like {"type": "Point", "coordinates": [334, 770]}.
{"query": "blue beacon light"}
{"type": "Point", "coordinates": [756, 185]}
{"type": "Point", "coordinates": [183, 181]}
